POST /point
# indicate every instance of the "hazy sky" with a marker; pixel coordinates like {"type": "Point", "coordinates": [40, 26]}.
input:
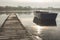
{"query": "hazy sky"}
{"type": "Point", "coordinates": [33, 3]}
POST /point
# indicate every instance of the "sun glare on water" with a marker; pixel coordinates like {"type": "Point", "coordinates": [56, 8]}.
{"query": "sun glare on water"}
{"type": "Point", "coordinates": [39, 28]}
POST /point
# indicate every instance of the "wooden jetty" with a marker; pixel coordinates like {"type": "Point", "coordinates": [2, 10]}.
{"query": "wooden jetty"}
{"type": "Point", "coordinates": [13, 29]}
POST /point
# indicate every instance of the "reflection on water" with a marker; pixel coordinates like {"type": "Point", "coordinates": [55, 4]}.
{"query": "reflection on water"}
{"type": "Point", "coordinates": [38, 28]}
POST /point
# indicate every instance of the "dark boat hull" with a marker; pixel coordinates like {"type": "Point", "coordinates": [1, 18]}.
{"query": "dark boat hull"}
{"type": "Point", "coordinates": [45, 19]}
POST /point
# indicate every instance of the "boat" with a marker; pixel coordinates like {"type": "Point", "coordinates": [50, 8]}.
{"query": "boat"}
{"type": "Point", "coordinates": [44, 18]}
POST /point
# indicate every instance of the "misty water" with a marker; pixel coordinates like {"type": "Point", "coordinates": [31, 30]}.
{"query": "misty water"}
{"type": "Point", "coordinates": [48, 33]}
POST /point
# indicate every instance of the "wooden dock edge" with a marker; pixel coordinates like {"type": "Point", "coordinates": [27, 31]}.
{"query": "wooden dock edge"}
{"type": "Point", "coordinates": [20, 22]}
{"type": "Point", "coordinates": [1, 28]}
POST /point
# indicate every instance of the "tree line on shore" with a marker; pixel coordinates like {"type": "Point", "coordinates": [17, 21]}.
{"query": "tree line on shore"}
{"type": "Point", "coordinates": [4, 8]}
{"type": "Point", "coordinates": [10, 8]}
